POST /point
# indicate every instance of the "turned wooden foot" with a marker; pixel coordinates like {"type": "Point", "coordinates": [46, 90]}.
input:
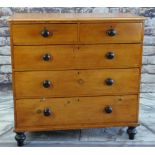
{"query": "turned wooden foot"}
{"type": "Point", "coordinates": [20, 138]}
{"type": "Point", "coordinates": [131, 132]}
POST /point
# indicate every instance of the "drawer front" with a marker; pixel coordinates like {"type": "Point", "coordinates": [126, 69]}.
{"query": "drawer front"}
{"type": "Point", "coordinates": [111, 32]}
{"type": "Point", "coordinates": [78, 57]}
{"type": "Point", "coordinates": [71, 111]}
{"type": "Point", "coordinates": [43, 57]}
{"type": "Point", "coordinates": [76, 82]}
{"type": "Point", "coordinates": [33, 34]}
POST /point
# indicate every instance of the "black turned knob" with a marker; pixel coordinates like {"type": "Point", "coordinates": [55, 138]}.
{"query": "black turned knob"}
{"type": "Point", "coordinates": [108, 109]}
{"type": "Point", "coordinates": [46, 83]}
{"type": "Point", "coordinates": [45, 33]}
{"type": "Point", "coordinates": [46, 57]}
{"type": "Point", "coordinates": [109, 81]}
{"type": "Point", "coordinates": [110, 55]}
{"type": "Point", "coordinates": [111, 32]}
{"type": "Point", "coordinates": [47, 112]}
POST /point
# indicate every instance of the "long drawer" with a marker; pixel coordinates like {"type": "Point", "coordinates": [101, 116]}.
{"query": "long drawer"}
{"type": "Point", "coordinates": [35, 34]}
{"type": "Point", "coordinates": [58, 112]}
{"type": "Point", "coordinates": [76, 83]}
{"type": "Point", "coordinates": [76, 56]}
{"type": "Point", "coordinates": [111, 32]}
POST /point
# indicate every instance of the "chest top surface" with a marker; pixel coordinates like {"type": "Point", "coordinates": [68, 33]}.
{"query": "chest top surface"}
{"type": "Point", "coordinates": [74, 17]}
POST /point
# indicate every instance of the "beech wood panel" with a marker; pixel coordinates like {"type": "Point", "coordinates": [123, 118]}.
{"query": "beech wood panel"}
{"type": "Point", "coordinates": [30, 34]}
{"type": "Point", "coordinates": [97, 33]}
{"type": "Point", "coordinates": [76, 57]}
{"type": "Point", "coordinates": [81, 110]}
{"type": "Point", "coordinates": [76, 83]}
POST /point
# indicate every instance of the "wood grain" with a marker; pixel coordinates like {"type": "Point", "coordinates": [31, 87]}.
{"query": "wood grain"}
{"type": "Point", "coordinates": [30, 34]}
{"type": "Point", "coordinates": [96, 33]}
{"type": "Point", "coordinates": [78, 70]}
{"type": "Point", "coordinates": [76, 56]}
{"type": "Point", "coordinates": [73, 17]}
{"type": "Point", "coordinates": [70, 111]}
{"type": "Point", "coordinates": [76, 83]}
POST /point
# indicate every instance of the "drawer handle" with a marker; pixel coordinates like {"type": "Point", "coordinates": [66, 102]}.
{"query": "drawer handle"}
{"type": "Point", "coordinates": [111, 32]}
{"type": "Point", "coordinates": [47, 112]}
{"type": "Point", "coordinates": [46, 83]}
{"type": "Point", "coordinates": [108, 109]}
{"type": "Point", "coordinates": [110, 55]}
{"type": "Point", "coordinates": [109, 81]}
{"type": "Point", "coordinates": [45, 33]}
{"type": "Point", "coordinates": [46, 57]}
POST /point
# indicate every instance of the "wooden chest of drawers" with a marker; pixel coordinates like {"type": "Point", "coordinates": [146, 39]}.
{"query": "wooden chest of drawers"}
{"type": "Point", "coordinates": [75, 71]}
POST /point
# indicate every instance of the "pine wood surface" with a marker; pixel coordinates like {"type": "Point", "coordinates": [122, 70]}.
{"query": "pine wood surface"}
{"type": "Point", "coordinates": [71, 17]}
{"type": "Point", "coordinates": [83, 79]}
{"type": "Point", "coordinates": [96, 33]}
{"type": "Point", "coordinates": [76, 83]}
{"type": "Point", "coordinates": [30, 34]}
{"type": "Point", "coordinates": [73, 111]}
{"type": "Point", "coordinates": [65, 57]}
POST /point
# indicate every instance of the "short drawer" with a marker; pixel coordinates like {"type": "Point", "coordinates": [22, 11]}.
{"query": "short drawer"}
{"type": "Point", "coordinates": [61, 112]}
{"type": "Point", "coordinates": [76, 82]}
{"type": "Point", "coordinates": [111, 32]}
{"type": "Point", "coordinates": [34, 34]}
{"type": "Point", "coordinates": [44, 57]}
{"type": "Point", "coordinates": [77, 57]}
